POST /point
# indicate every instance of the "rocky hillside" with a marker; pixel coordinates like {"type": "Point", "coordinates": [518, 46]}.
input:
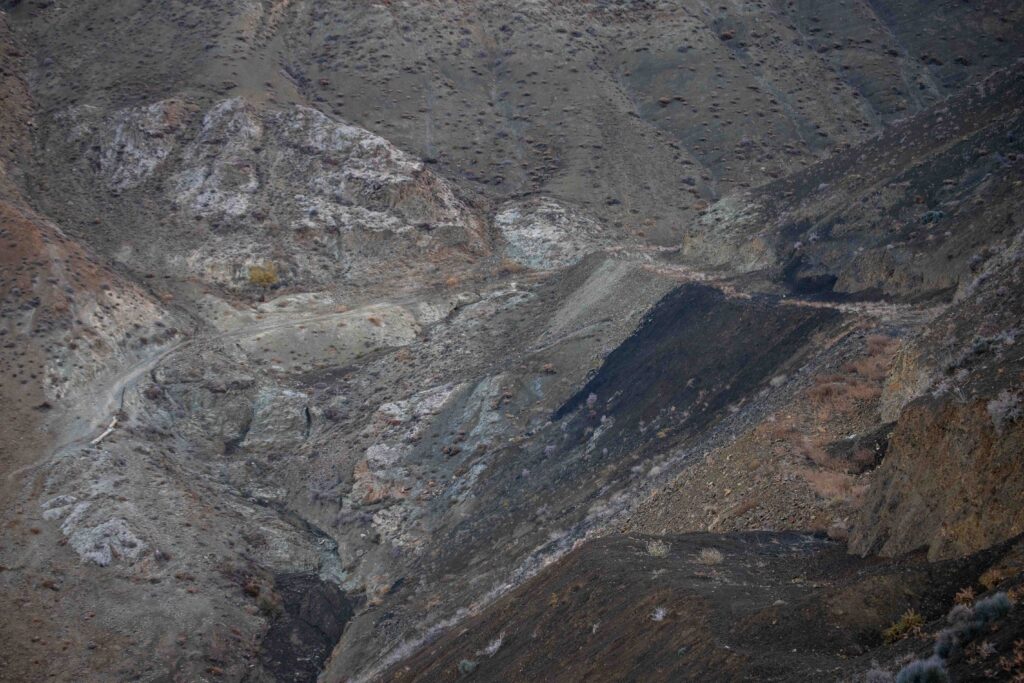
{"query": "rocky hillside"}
{"type": "Point", "coordinates": [596, 340]}
{"type": "Point", "coordinates": [734, 607]}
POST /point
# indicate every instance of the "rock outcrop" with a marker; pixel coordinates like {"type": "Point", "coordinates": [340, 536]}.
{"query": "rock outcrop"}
{"type": "Point", "coordinates": [951, 480]}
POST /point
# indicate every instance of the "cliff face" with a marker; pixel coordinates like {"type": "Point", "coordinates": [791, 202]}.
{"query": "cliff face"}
{"type": "Point", "coordinates": [951, 480]}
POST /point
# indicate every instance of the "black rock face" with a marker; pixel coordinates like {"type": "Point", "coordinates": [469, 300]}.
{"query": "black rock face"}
{"type": "Point", "coordinates": [696, 353]}
{"type": "Point", "coordinates": [313, 617]}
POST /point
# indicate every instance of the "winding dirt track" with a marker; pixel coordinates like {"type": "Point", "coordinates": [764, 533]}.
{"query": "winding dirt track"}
{"type": "Point", "coordinates": [104, 397]}
{"type": "Point", "coordinates": [97, 404]}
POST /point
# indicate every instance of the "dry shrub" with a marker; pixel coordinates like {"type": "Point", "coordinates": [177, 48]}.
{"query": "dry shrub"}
{"type": "Point", "coordinates": [860, 379]}
{"type": "Point", "coordinates": [817, 454]}
{"type": "Point", "coordinates": [868, 367]}
{"type": "Point", "coordinates": [875, 365]}
{"type": "Point", "coordinates": [994, 576]}
{"type": "Point", "coordinates": [878, 344]}
{"type": "Point", "coordinates": [778, 429]}
{"type": "Point", "coordinates": [264, 275]}
{"type": "Point", "coordinates": [909, 624]}
{"type": "Point", "coordinates": [827, 386]}
{"type": "Point", "coordinates": [964, 596]}
{"type": "Point", "coordinates": [839, 394]}
{"type": "Point", "coordinates": [862, 391]}
{"type": "Point", "coordinates": [710, 556]}
{"type": "Point", "coordinates": [657, 548]}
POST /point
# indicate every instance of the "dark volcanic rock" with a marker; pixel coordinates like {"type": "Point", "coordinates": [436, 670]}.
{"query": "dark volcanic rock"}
{"type": "Point", "coordinates": [696, 353]}
{"type": "Point", "coordinates": [313, 615]}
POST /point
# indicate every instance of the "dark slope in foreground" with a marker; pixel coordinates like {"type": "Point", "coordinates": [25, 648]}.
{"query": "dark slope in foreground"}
{"type": "Point", "coordinates": [754, 607]}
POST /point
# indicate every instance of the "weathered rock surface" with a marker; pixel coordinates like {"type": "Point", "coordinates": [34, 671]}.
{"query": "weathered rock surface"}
{"type": "Point", "coordinates": [951, 480]}
{"type": "Point", "coordinates": [244, 184]}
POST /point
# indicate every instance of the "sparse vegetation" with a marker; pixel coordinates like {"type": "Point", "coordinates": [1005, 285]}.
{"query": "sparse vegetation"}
{"type": "Point", "coordinates": [993, 607]}
{"type": "Point", "coordinates": [964, 596]}
{"type": "Point", "coordinates": [371, 458]}
{"type": "Point", "coordinates": [965, 623]}
{"type": "Point", "coordinates": [657, 548]}
{"type": "Point", "coordinates": [931, 670]}
{"type": "Point", "coordinates": [832, 485]}
{"type": "Point", "coordinates": [908, 624]}
{"type": "Point", "coordinates": [264, 275]}
{"type": "Point", "coordinates": [1011, 667]}
{"type": "Point", "coordinates": [993, 576]}
{"type": "Point", "coordinates": [710, 556]}
{"type": "Point", "coordinates": [859, 380]}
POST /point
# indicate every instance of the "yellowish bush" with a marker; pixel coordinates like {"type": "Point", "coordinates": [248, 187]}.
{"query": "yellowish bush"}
{"type": "Point", "coordinates": [264, 275]}
{"type": "Point", "coordinates": [910, 623]}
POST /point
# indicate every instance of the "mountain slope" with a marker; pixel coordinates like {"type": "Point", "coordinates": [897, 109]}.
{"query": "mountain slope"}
{"type": "Point", "coordinates": [342, 337]}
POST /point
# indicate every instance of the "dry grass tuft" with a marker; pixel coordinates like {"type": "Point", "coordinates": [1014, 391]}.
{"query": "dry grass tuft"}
{"type": "Point", "coordinates": [908, 624]}
{"type": "Point", "coordinates": [710, 556]}
{"type": "Point", "coordinates": [657, 548]}
{"type": "Point", "coordinates": [837, 486]}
